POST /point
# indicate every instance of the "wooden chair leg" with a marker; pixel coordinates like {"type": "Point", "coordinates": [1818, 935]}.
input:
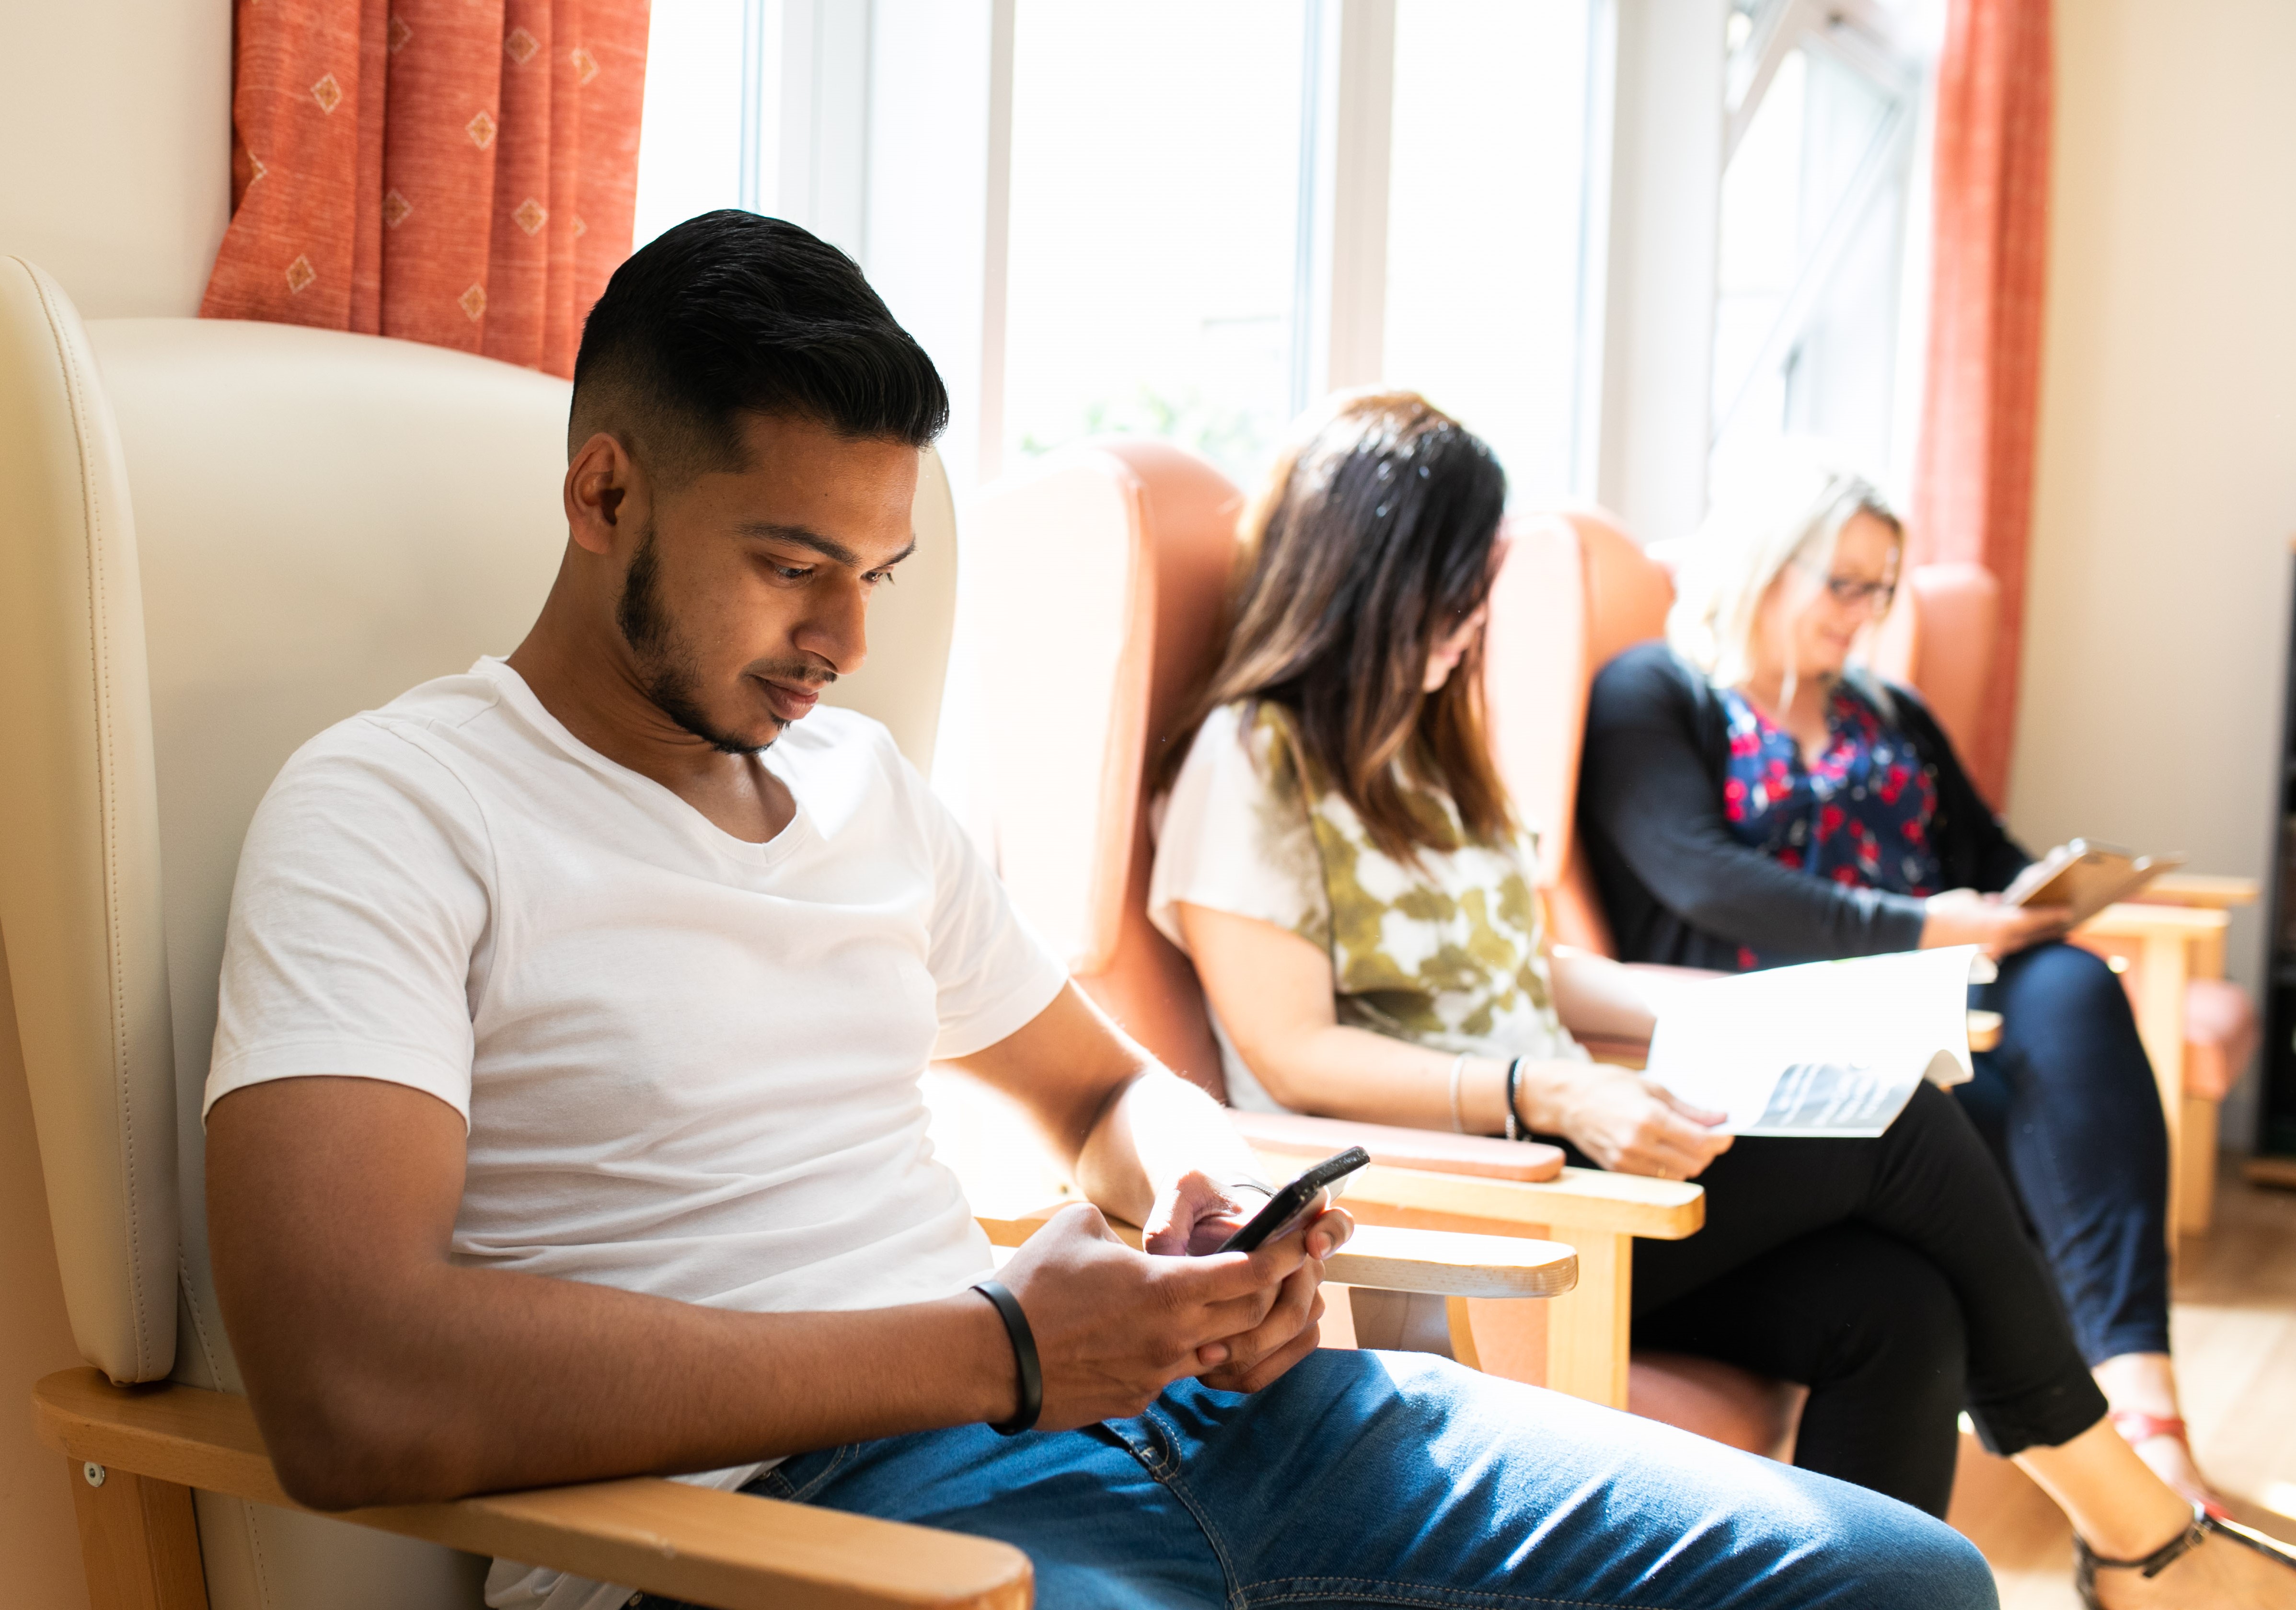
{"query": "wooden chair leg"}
{"type": "Point", "coordinates": [2196, 1179]}
{"type": "Point", "coordinates": [2164, 969]}
{"type": "Point", "coordinates": [1587, 1327]}
{"type": "Point", "coordinates": [138, 1539]}
{"type": "Point", "coordinates": [1509, 1340]}
{"type": "Point", "coordinates": [1577, 1343]}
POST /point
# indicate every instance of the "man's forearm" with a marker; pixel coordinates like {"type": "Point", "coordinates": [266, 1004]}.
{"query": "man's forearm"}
{"type": "Point", "coordinates": [1160, 1128]}
{"type": "Point", "coordinates": [382, 1371]}
{"type": "Point", "coordinates": [512, 1380]}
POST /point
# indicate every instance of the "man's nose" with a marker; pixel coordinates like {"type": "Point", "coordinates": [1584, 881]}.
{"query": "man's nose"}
{"type": "Point", "coordinates": [837, 628]}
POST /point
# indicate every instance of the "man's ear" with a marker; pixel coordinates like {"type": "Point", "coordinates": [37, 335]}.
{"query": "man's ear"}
{"type": "Point", "coordinates": [606, 493]}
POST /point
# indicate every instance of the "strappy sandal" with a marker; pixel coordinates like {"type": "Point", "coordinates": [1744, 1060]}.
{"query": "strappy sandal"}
{"type": "Point", "coordinates": [2135, 1427]}
{"type": "Point", "coordinates": [2086, 1564]}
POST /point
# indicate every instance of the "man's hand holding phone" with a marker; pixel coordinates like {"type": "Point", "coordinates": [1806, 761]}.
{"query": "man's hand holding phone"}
{"type": "Point", "coordinates": [1200, 1217]}
{"type": "Point", "coordinates": [1114, 1327]}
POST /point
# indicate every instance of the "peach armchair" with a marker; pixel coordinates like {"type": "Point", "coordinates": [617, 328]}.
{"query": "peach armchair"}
{"type": "Point", "coordinates": [1093, 591]}
{"type": "Point", "coordinates": [2199, 1029]}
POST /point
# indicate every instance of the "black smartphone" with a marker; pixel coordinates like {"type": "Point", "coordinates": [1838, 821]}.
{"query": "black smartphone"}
{"type": "Point", "coordinates": [1292, 1204]}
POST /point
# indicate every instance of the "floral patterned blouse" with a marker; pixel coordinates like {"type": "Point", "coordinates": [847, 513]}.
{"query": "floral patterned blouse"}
{"type": "Point", "coordinates": [1860, 814]}
{"type": "Point", "coordinates": [1447, 953]}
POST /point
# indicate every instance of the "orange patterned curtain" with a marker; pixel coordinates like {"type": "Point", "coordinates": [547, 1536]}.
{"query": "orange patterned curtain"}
{"type": "Point", "coordinates": [1974, 482]}
{"type": "Point", "coordinates": [459, 172]}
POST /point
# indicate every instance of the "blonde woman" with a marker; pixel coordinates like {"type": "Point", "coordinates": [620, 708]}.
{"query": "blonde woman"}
{"type": "Point", "coordinates": [1337, 855]}
{"type": "Point", "coordinates": [1751, 795]}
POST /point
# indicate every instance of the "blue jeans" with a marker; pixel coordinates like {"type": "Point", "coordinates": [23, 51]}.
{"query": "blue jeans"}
{"type": "Point", "coordinates": [1399, 1479]}
{"type": "Point", "coordinates": [2068, 1105]}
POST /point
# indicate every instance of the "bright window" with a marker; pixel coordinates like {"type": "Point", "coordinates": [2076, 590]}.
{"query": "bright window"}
{"type": "Point", "coordinates": [1811, 315]}
{"type": "Point", "coordinates": [689, 149]}
{"type": "Point", "coordinates": [1486, 203]}
{"type": "Point", "coordinates": [1153, 251]}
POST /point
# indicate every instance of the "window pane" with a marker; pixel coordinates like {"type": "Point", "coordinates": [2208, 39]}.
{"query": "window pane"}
{"type": "Point", "coordinates": [1806, 328]}
{"type": "Point", "coordinates": [1485, 200]}
{"type": "Point", "coordinates": [690, 144]}
{"type": "Point", "coordinates": [1155, 184]}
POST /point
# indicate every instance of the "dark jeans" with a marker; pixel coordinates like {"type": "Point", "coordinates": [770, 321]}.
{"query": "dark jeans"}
{"type": "Point", "coordinates": [1893, 1278]}
{"type": "Point", "coordinates": [2068, 1105]}
{"type": "Point", "coordinates": [1364, 1479]}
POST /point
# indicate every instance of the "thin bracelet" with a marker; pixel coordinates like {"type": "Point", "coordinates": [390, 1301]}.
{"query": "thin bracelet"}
{"type": "Point", "coordinates": [1458, 1119]}
{"type": "Point", "coordinates": [1513, 1078]}
{"type": "Point", "coordinates": [1024, 1357]}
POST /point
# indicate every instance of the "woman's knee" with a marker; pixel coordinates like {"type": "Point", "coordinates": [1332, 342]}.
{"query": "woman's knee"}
{"type": "Point", "coordinates": [1932, 1121]}
{"type": "Point", "coordinates": [2056, 977]}
{"type": "Point", "coordinates": [2066, 1021]}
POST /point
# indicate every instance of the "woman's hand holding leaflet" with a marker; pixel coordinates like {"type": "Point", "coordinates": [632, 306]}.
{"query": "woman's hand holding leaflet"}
{"type": "Point", "coordinates": [1634, 1125]}
{"type": "Point", "coordinates": [1114, 1327]}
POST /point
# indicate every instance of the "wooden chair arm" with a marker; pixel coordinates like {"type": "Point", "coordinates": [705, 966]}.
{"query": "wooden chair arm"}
{"type": "Point", "coordinates": [2198, 889]}
{"type": "Point", "coordinates": [1298, 1135]}
{"type": "Point", "coordinates": [724, 1549]}
{"type": "Point", "coordinates": [1442, 1264]}
{"type": "Point", "coordinates": [1586, 1199]}
{"type": "Point", "coordinates": [1419, 1199]}
{"type": "Point", "coordinates": [2129, 919]}
{"type": "Point", "coordinates": [1426, 1179]}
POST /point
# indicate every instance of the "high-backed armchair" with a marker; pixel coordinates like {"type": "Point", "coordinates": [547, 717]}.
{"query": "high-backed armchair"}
{"type": "Point", "coordinates": [226, 538]}
{"type": "Point", "coordinates": [2200, 1029]}
{"type": "Point", "coordinates": [1094, 587]}
{"type": "Point", "coordinates": [223, 537]}
{"type": "Point", "coordinates": [1574, 590]}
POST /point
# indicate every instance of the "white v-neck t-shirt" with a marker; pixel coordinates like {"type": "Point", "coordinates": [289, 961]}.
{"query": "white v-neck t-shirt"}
{"type": "Point", "coordinates": [689, 1064]}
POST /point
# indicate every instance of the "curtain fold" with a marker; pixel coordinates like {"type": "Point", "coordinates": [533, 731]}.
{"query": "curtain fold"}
{"type": "Point", "coordinates": [459, 172]}
{"type": "Point", "coordinates": [1973, 478]}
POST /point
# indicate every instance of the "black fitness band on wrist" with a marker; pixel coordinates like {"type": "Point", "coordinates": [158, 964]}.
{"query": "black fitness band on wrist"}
{"type": "Point", "coordinates": [1513, 1079]}
{"type": "Point", "coordinates": [1024, 1356]}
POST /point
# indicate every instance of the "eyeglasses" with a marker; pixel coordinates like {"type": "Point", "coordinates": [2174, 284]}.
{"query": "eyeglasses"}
{"type": "Point", "coordinates": [1851, 594]}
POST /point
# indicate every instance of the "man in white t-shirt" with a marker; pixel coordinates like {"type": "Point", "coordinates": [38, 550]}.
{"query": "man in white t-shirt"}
{"type": "Point", "coordinates": [564, 1120]}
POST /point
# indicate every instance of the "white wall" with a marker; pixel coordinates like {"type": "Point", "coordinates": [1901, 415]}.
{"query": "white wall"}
{"type": "Point", "coordinates": [115, 147]}
{"type": "Point", "coordinates": [2166, 498]}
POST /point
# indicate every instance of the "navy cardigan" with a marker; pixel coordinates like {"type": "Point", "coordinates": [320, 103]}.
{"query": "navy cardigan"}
{"type": "Point", "coordinates": [1679, 887]}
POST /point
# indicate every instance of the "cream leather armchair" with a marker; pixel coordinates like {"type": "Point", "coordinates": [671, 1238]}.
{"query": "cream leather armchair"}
{"type": "Point", "coordinates": [226, 536]}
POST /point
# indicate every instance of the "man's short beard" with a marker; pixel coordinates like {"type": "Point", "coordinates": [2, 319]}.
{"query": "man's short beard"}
{"type": "Point", "coordinates": [666, 665]}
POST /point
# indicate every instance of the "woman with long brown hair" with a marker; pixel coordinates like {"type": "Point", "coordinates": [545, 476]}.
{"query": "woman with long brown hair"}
{"type": "Point", "coordinates": [1337, 853]}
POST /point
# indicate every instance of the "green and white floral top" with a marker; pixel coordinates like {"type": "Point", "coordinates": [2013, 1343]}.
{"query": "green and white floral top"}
{"type": "Point", "coordinates": [1448, 953]}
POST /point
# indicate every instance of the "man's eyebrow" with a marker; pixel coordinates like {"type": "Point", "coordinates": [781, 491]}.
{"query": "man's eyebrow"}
{"type": "Point", "coordinates": [828, 547]}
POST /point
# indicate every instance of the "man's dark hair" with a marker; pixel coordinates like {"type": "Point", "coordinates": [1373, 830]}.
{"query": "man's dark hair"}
{"type": "Point", "coordinates": [731, 314]}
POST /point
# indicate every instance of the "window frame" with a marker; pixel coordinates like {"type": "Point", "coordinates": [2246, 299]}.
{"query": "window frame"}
{"type": "Point", "coordinates": [851, 81]}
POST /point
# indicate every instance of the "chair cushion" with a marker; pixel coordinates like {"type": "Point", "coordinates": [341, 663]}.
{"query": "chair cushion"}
{"type": "Point", "coordinates": [1721, 1402]}
{"type": "Point", "coordinates": [2220, 1036]}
